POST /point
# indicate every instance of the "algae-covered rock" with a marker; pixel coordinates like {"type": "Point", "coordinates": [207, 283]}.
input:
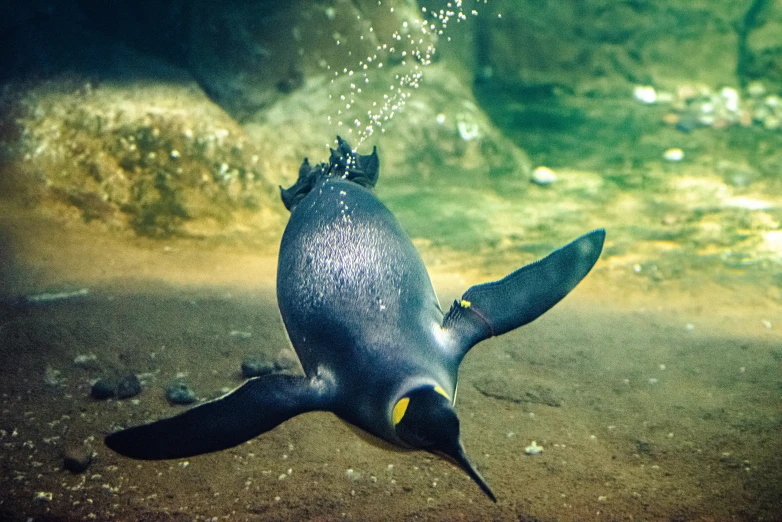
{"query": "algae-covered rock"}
{"type": "Point", "coordinates": [439, 131]}
{"type": "Point", "coordinates": [157, 156]}
{"type": "Point", "coordinates": [605, 46]}
{"type": "Point", "coordinates": [248, 53]}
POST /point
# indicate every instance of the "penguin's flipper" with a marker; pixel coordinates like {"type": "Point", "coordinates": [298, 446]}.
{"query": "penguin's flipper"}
{"type": "Point", "coordinates": [501, 306]}
{"type": "Point", "coordinates": [257, 406]}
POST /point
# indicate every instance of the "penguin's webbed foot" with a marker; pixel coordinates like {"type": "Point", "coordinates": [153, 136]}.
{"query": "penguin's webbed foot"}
{"type": "Point", "coordinates": [343, 163]}
{"type": "Point", "coordinates": [361, 169]}
{"type": "Point", "coordinates": [308, 177]}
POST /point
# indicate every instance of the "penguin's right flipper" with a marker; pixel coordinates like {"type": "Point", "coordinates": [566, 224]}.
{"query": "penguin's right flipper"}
{"type": "Point", "coordinates": [257, 406]}
{"type": "Point", "coordinates": [519, 298]}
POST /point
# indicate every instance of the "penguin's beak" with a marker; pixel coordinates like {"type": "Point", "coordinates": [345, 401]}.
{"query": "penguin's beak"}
{"type": "Point", "coordinates": [460, 459]}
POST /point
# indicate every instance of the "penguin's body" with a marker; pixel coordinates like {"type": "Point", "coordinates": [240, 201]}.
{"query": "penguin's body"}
{"type": "Point", "coordinates": [358, 304]}
{"type": "Point", "coordinates": [360, 310]}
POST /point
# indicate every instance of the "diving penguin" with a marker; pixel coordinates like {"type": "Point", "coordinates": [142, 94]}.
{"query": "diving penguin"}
{"type": "Point", "coordinates": [361, 313]}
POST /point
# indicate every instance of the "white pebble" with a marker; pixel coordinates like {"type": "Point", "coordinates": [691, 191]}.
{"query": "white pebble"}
{"type": "Point", "coordinates": [543, 176]}
{"type": "Point", "coordinates": [645, 94]}
{"type": "Point", "coordinates": [731, 98]}
{"type": "Point", "coordinates": [674, 154]}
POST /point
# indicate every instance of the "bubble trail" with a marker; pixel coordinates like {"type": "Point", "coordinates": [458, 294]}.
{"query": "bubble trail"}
{"type": "Point", "coordinates": [411, 48]}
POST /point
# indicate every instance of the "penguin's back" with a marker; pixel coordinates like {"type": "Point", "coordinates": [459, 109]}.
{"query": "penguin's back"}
{"type": "Point", "coordinates": [350, 283]}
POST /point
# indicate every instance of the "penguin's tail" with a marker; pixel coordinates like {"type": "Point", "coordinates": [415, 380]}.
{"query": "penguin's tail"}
{"type": "Point", "coordinates": [257, 406]}
{"type": "Point", "coordinates": [343, 163]}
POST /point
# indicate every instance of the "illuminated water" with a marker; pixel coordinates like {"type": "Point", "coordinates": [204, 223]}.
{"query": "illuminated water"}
{"type": "Point", "coordinates": [654, 388]}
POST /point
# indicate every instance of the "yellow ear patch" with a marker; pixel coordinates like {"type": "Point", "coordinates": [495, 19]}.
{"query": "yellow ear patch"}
{"type": "Point", "coordinates": [399, 409]}
{"type": "Point", "coordinates": [442, 392]}
{"type": "Point", "coordinates": [465, 303]}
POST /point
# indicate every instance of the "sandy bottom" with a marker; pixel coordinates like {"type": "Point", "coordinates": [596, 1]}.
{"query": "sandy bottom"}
{"type": "Point", "coordinates": [656, 404]}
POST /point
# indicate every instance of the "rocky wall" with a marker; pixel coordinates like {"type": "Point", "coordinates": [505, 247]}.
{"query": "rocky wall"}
{"type": "Point", "coordinates": [604, 45]}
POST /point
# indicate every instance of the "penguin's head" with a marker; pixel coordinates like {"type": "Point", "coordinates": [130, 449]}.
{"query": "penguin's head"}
{"type": "Point", "coordinates": [424, 419]}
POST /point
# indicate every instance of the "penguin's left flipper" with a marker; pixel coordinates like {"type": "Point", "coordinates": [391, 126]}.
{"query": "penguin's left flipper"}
{"type": "Point", "coordinates": [257, 406]}
{"type": "Point", "coordinates": [519, 298]}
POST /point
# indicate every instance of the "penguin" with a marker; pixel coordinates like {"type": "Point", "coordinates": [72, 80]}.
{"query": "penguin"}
{"type": "Point", "coordinates": [361, 313]}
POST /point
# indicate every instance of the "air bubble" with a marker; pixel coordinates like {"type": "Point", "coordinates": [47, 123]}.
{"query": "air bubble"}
{"type": "Point", "coordinates": [411, 71]}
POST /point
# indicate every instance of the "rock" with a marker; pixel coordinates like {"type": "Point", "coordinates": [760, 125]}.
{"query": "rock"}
{"type": "Point", "coordinates": [602, 45]}
{"type": "Point", "coordinates": [286, 360]}
{"type": "Point", "coordinates": [645, 94]}
{"type": "Point", "coordinates": [43, 497]}
{"type": "Point", "coordinates": [255, 366]}
{"type": "Point", "coordinates": [543, 176]}
{"type": "Point", "coordinates": [128, 386]}
{"type": "Point", "coordinates": [533, 449]}
{"type": "Point", "coordinates": [674, 154]}
{"type": "Point", "coordinates": [87, 361]}
{"type": "Point", "coordinates": [643, 447]}
{"type": "Point", "coordinates": [180, 393]}
{"type": "Point", "coordinates": [248, 54]}
{"type": "Point", "coordinates": [103, 389]}
{"type": "Point", "coordinates": [77, 457]}
{"type": "Point", "coordinates": [185, 168]}
{"type": "Point", "coordinates": [51, 376]}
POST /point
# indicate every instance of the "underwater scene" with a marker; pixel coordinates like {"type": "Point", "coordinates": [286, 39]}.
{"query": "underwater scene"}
{"type": "Point", "coordinates": [247, 249]}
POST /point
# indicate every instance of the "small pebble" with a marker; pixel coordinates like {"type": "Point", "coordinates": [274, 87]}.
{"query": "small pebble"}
{"type": "Point", "coordinates": [180, 393]}
{"type": "Point", "coordinates": [42, 497]}
{"type": "Point", "coordinates": [87, 361]}
{"type": "Point", "coordinates": [533, 449]}
{"type": "Point", "coordinates": [686, 123]}
{"type": "Point", "coordinates": [543, 176]}
{"type": "Point", "coordinates": [645, 94]}
{"type": "Point", "coordinates": [286, 360]}
{"type": "Point", "coordinates": [129, 386]}
{"type": "Point", "coordinates": [77, 457]}
{"type": "Point", "coordinates": [674, 154]}
{"type": "Point", "coordinates": [255, 366]}
{"type": "Point", "coordinates": [103, 389]}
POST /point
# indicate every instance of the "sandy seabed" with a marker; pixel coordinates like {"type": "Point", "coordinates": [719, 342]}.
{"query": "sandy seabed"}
{"type": "Point", "coordinates": [650, 404]}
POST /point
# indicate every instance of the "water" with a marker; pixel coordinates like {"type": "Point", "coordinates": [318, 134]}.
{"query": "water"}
{"type": "Point", "coordinates": [653, 388]}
